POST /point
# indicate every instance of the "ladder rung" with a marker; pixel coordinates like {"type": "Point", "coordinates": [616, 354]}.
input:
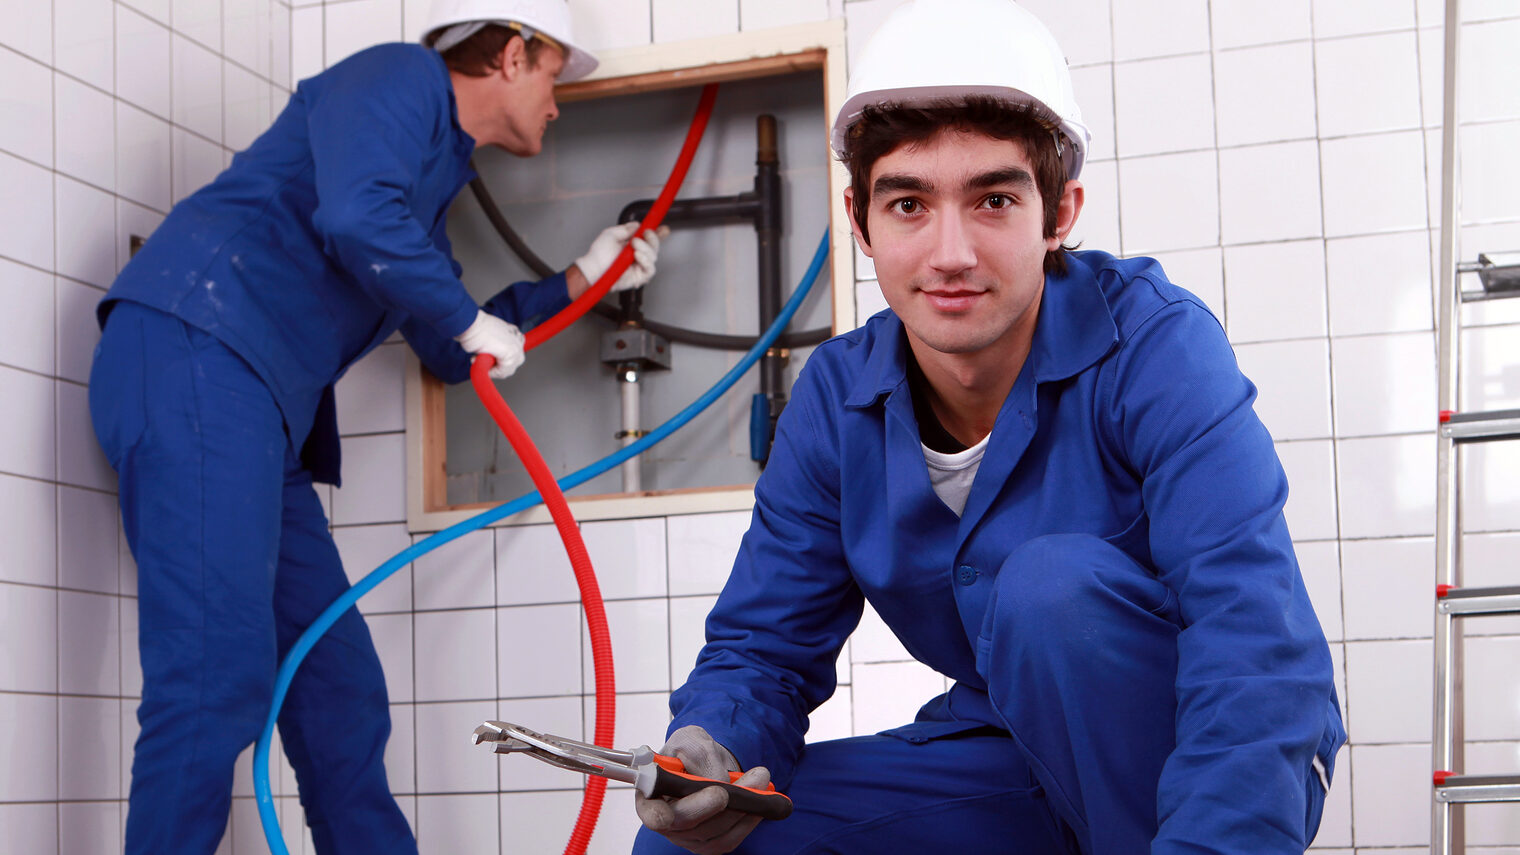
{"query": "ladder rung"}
{"type": "Point", "coordinates": [1481, 427]}
{"type": "Point", "coordinates": [1485, 296]}
{"type": "Point", "coordinates": [1478, 601]}
{"type": "Point", "coordinates": [1477, 788]}
{"type": "Point", "coordinates": [1500, 279]}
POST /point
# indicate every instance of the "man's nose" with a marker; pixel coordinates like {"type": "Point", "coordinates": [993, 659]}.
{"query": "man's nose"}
{"type": "Point", "coordinates": [952, 251]}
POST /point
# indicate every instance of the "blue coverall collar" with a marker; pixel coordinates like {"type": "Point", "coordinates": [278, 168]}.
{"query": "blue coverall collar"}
{"type": "Point", "coordinates": [1076, 328]}
{"type": "Point", "coordinates": [464, 144]}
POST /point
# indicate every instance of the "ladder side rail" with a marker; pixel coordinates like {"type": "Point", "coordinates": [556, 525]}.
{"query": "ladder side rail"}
{"type": "Point", "coordinates": [1447, 833]}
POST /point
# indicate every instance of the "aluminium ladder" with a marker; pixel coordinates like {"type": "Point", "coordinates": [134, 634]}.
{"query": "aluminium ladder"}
{"type": "Point", "coordinates": [1454, 602]}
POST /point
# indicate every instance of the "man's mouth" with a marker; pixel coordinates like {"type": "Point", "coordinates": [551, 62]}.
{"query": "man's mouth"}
{"type": "Point", "coordinates": [952, 299]}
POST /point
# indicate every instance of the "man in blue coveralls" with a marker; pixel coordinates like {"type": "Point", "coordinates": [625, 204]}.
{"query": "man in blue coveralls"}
{"type": "Point", "coordinates": [1042, 468]}
{"type": "Point", "coordinates": [212, 395]}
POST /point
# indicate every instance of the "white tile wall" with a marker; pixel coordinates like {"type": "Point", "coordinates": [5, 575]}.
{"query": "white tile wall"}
{"type": "Point", "coordinates": [1275, 291]}
{"type": "Point", "coordinates": [26, 99]}
{"type": "Point", "coordinates": [1367, 84]}
{"type": "Point", "coordinates": [357, 24]}
{"type": "Point", "coordinates": [82, 40]}
{"type": "Point", "coordinates": [1169, 201]}
{"type": "Point", "coordinates": [676, 20]}
{"type": "Point", "coordinates": [26, 328]}
{"type": "Point", "coordinates": [764, 14]}
{"type": "Point", "coordinates": [1257, 22]}
{"type": "Point", "coordinates": [457, 575]}
{"type": "Point", "coordinates": [142, 157]}
{"type": "Point", "coordinates": [86, 232]}
{"type": "Point", "coordinates": [1265, 93]}
{"type": "Point", "coordinates": [30, 773]}
{"type": "Point", "coordinates": [143, 62]}
{"type": "Point", "coordinates": [1384, 383]}
{"type": "Point", "coordinates": [1293, 385]}
{"type": "Point", "coordinates": [1269, 193]}
{"type": "Point", "coordinates": [364, 550]}
{"type": "Point", "coordinates": [1181, 87]}
{"type": "Point", "coordinates": [1273, 155]}
{"type": "Point", "coordinates": [1360, 201]}
{"type": "Point", "coordinates": [1146, 28]}
{"type": "Point", "coordinates": [1379, 283]}
{"type": "Point", "coordinates": [28, 523]}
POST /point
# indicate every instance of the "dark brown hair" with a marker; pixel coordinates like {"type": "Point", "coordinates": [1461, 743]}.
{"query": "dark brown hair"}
{"type": "Point", "coordinates": [480, 54]}
{"type": "Point", "coordinates": [880, 130]}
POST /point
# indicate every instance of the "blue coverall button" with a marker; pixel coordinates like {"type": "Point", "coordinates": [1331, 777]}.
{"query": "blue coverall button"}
{"type": "Point", "coordinates": [966, 574]}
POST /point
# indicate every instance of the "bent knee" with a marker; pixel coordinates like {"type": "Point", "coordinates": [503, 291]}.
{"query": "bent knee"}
{"type": "Point", "coordinates": [1064, 581]}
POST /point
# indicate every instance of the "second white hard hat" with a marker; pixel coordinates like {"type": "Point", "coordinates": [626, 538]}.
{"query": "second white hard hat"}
{"type": "Point", "coordinates": [549, 17]}
{"type": "Point", "coordinates": [928, 51]}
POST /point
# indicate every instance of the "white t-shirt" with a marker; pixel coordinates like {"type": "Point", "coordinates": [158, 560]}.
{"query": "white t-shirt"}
{"type": "Point", "coordinates": [952, 474]}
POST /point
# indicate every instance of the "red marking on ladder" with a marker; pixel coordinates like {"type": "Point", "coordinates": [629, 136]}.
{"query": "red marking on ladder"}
{"type": "Point", "coordinates": [1440, 778]}
{"type": "Point", "coordinates": [1446, 415]}
{"type": "Point", "coordinates": [1443, 590]}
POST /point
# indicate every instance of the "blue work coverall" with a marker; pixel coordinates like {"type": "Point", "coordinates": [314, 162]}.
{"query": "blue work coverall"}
{"type": "Point", "coordinates": [212, 396]}
{"type": "Point", "coordinates": [1136, 664]}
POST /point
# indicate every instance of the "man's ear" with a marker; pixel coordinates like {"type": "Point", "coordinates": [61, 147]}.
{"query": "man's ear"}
{"type": "Point", "coordinates": [513, 58]}
{"type": "Point", "coordinates": [1066, 213]}
{"type": "Point", "coordinates": [855, 229]}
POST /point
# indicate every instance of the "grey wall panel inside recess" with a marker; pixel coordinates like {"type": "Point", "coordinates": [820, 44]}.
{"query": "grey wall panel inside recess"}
{"type": "Point", "coordinates": [599, 156]}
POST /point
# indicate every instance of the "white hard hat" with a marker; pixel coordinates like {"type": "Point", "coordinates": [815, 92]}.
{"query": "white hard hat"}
{"type": "Point", "coordinates": [549, 18]}
{"type": "Point", "coordinates": [930, 50]}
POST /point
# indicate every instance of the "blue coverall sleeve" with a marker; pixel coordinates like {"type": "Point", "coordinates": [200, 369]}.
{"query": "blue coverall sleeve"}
{"type": "Point", "coordinates": [370, 140]}
{"type": "Point", "coordinates": [788, 607]}
{"type": "Point", "coordinates": [1254, 679]}
{"type": "Point", "coordinates": [525, 304]}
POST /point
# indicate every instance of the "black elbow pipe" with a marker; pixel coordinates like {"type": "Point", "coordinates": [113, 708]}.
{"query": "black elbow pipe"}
{"type": "Point", "coordinates": [768, 233]}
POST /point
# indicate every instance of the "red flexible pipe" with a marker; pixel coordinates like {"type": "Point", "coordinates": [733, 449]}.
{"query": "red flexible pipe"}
{"type": "Point", "coordinates": [554, 498]}
{"type": "Point", "coordinates": [571, 313]}
{"type": "Point", "coordinates": [585, 578]}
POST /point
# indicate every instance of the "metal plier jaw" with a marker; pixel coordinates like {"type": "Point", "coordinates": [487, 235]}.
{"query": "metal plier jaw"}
{"type": "Point", "coordinates": [564, 752]}
{"type": "Point", "coordinates": [652, 774]}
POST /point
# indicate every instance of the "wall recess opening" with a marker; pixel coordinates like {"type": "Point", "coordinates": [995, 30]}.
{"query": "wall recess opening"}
{"type": "Point", "coordinates": [611, 149]}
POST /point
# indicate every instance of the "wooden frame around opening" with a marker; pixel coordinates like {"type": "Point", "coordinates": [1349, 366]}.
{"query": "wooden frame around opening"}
{"type": "Point", "coordinates": [806, 47]}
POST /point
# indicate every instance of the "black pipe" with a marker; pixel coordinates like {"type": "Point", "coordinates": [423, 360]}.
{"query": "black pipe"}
{"type": "Point", "coordinates": [763, 208]}
{"type": "Point", "coordinates": [707, 209]}
{"type": "Point", "coordinates": [696, 338]}
{"type": "Point", "coordinates": [768, 233]}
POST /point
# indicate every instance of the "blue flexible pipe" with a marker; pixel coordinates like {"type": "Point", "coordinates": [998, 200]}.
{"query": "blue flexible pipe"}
{"type": "Point", "coordinates": [329, 616]}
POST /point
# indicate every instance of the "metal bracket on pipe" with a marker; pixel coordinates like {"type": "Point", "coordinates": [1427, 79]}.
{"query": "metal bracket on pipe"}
{"type": "Point", "coordinates": [647, 350]}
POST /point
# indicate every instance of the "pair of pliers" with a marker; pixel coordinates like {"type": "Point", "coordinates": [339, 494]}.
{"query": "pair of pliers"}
{"type": "Point", "coordinates": [652, 774]}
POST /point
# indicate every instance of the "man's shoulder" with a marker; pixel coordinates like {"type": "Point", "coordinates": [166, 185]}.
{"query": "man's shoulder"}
{"type": "Point", "coordinates": [1136, 289]}
{"type": "Point", "coordinates": [387, 64]}
{"type": "Point", "coordinates": [852, 349]}
{"type": "Point", "coordinates": [857, 363]}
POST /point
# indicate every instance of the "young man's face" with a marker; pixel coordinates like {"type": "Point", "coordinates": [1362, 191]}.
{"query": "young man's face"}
{"type": "Point", "coordinates": [530, 107]}
{"type": "Point", "coordinates": [956, 235]}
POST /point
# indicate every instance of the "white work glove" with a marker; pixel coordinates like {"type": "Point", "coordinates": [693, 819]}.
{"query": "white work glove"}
{"type": "Point", "coordinates": [490, 334]}
{"type": "Point", "coordinates": [700, 822]}
{"type": "Point", "coordinates": [604, 250]}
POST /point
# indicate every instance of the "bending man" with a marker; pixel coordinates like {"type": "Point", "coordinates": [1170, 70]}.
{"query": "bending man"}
{"type": "Point", "coordinates": [212, 395]}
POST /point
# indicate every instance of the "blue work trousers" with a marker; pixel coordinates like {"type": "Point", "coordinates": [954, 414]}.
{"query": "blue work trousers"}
{"type": "Point", "coordinates": [1081, 665]}
{"type": "Point", "coordinates": [234, 560]}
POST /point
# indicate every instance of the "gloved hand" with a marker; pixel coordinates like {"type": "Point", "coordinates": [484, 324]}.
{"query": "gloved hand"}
{"type": "Point", "coordinates": [700, 822]}
{"type": "Point", "coordinates": [604, 250]}
{"type": "Point", "coordinates": [490, 334]}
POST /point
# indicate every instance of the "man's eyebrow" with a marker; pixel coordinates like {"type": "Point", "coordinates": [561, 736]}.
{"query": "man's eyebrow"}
{"type": "Point", "coordinates": [898, 182]}
{"type": "Point", "coordinates": [1016, 176]}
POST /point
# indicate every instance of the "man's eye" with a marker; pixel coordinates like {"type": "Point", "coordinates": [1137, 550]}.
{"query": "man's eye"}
{"type": "Point", "coordinates": [907, 206]}
{"type": "Point", "coordinates": [998, 200]}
